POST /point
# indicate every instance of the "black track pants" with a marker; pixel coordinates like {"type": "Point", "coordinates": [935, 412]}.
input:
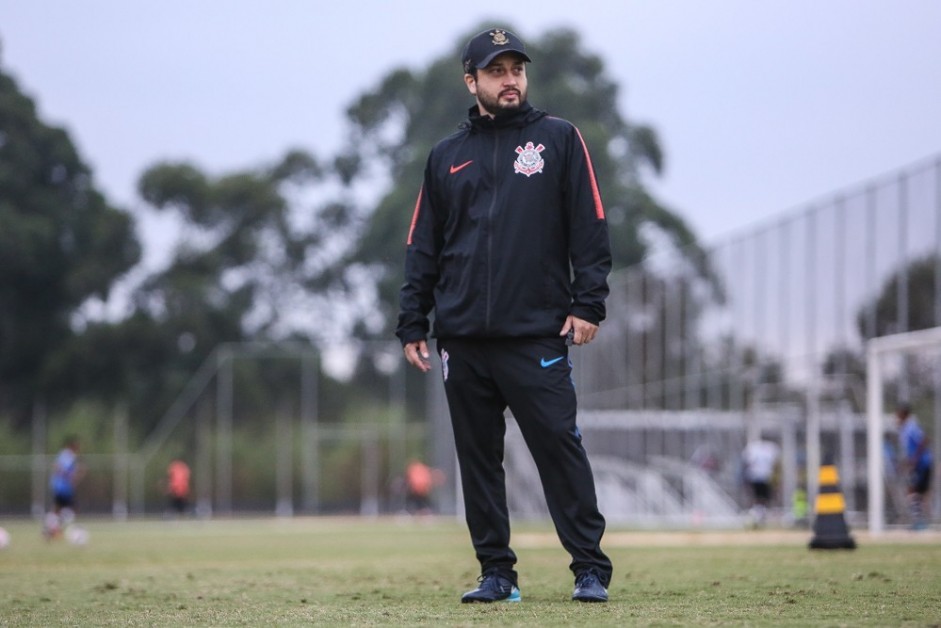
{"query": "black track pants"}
{"type": "Point", "coordinates": [533, 378]}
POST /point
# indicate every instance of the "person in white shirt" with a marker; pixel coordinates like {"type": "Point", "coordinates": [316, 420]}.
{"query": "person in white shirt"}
{"type": "Point", "coordinates": [759, 460]}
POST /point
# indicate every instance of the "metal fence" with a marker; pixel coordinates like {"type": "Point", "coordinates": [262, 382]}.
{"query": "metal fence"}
{"type": "Point", "coordinates": [761, 334]}
{"type": "Point", "coordinates": [263, 427]}
{"type": "Point", "coordinates": [773, 303]}
{"type": "Point", "coordinates": [773, 322]}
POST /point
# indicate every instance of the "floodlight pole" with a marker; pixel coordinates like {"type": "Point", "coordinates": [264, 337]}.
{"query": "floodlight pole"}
{"type": "Point", "coordinates": [937, 321]}
{"type": "Point", "coordinates": [874, 429]}
{"type": "Point", "coordinates": [224, 392]}
{"type": "Point", "coordinates": [39, 464]}
{"type": "Point", "coordinates": [119, 508]}
{"type": "Point", "coordinates": [310, 449]}
{"type": "Point", "coordinates": [284, 428]}
{"type": "Point", "coordinates": [812, 436]}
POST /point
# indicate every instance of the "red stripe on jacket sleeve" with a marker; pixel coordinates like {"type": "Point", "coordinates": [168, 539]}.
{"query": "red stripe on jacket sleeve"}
{"type": "Point", "coordinates": [595, 192]}
{"type": "Point", "coordinates": [411, 228]}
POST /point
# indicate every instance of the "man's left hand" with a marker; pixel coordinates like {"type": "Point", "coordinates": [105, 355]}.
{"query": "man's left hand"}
{"type": "Point", "coordinates": [584, 332]}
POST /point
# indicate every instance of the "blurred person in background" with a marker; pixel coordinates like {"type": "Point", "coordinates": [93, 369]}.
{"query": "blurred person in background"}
{"type": "Point", "coordinates": [420, 481]}
{"type": "Point", "coordinates": [759, 460]}
{"type": "Point", "coordinates": [915, 464]}
{"type": "Point", "coordinates": [177, 486]}
{"type": "Point", "coordinates": [67, 472]}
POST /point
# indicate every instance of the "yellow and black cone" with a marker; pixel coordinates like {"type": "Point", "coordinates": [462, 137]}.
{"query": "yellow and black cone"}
{"type": "Point", "coordinates": [830, 530]}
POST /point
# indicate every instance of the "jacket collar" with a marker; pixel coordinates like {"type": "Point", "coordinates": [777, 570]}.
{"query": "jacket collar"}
{"type": "Point", "coordinates": [521, 117]}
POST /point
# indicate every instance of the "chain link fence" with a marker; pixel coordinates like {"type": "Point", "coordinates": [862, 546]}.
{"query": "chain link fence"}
{"type": "Point", "coordinates": [762, 335]}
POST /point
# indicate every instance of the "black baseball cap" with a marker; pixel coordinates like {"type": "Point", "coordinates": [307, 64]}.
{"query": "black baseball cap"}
{"type": "Point", "coordinates": [483, 47]}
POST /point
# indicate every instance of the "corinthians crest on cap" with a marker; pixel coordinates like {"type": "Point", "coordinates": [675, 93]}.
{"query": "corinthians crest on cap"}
{"type": "Point", "coordinates": [499, 37]}
{"type": "Point", "coordinates": [486, 45]}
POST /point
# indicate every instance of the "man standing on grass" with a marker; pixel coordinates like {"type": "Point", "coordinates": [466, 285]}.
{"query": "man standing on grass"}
{"type": "Point", "coordinates": [509, 245]}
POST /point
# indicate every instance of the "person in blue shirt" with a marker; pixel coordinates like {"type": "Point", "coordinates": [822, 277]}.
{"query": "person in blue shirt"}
{"type": "Point", "coordinates": [915, 462]}
{"type": "Point", "coordinates": [66, 473]}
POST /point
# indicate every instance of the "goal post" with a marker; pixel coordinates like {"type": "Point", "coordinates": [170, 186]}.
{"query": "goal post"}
{"type": "Point", "coordinates": [876, 349]}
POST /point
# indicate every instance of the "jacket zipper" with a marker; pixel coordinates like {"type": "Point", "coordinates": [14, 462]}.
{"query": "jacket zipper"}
{"type": "Point", "coordinates": [493, 202]}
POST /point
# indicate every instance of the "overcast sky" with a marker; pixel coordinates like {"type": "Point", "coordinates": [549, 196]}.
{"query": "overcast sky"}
{"type": "Point", "coordinates": [761, 107]}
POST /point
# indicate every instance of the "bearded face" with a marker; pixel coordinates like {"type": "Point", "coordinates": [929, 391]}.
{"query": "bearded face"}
{"type": "Point", "coordinates": [501, 87]}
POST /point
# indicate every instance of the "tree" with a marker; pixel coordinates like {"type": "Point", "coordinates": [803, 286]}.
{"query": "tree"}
{"type": "Point", "coordinates": [919, 277]}
{"type": "Point", "coordinates": [253, 247]}
{"type": "Point", "coordinates": [394, 126]}
{"type": "Point", "coordinates": [880, 317]}
{"type": "Point", "coordinates": [253, 261]}
{"type": "Point", "coordinates": [61, 244]}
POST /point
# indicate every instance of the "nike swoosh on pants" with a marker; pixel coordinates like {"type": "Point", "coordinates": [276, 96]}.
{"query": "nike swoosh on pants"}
{"type": "Point", "coordinates": [544, 363]}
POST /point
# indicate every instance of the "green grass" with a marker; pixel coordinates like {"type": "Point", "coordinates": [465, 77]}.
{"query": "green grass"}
{"type": "Point", "coordinates": [342, 572]}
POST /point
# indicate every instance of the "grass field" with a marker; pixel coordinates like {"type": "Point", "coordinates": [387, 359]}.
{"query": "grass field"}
{"type": "Point", "coordinates": [345, 572]}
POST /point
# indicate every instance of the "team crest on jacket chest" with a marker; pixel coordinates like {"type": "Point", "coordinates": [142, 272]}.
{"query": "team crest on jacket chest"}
{"type": "Point", "coordinates": [529, 160]}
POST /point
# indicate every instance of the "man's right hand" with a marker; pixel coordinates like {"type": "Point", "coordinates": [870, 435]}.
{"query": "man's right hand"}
{"type": "Point", "coordinates": [417, 355]}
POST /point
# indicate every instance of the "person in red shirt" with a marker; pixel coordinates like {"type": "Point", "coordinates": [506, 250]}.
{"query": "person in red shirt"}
{"type": "Point", "coordinates": [420, 480]}
{"type": "Point", "coordinates": [178, 486]}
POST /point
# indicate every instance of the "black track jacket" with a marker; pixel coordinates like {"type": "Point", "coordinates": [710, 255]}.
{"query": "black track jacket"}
{"type": "Point", "coordinates": [509, 235]}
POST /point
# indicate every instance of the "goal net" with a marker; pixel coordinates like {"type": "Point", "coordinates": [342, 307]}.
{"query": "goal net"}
{"type": "Point", "coordinates": [885, 364]}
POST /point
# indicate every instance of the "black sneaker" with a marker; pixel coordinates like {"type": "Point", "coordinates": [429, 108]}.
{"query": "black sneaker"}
{"type": "Point", "coordinates": [493, 588]}
{"type": "Point", "coordinates": [588, 587]}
